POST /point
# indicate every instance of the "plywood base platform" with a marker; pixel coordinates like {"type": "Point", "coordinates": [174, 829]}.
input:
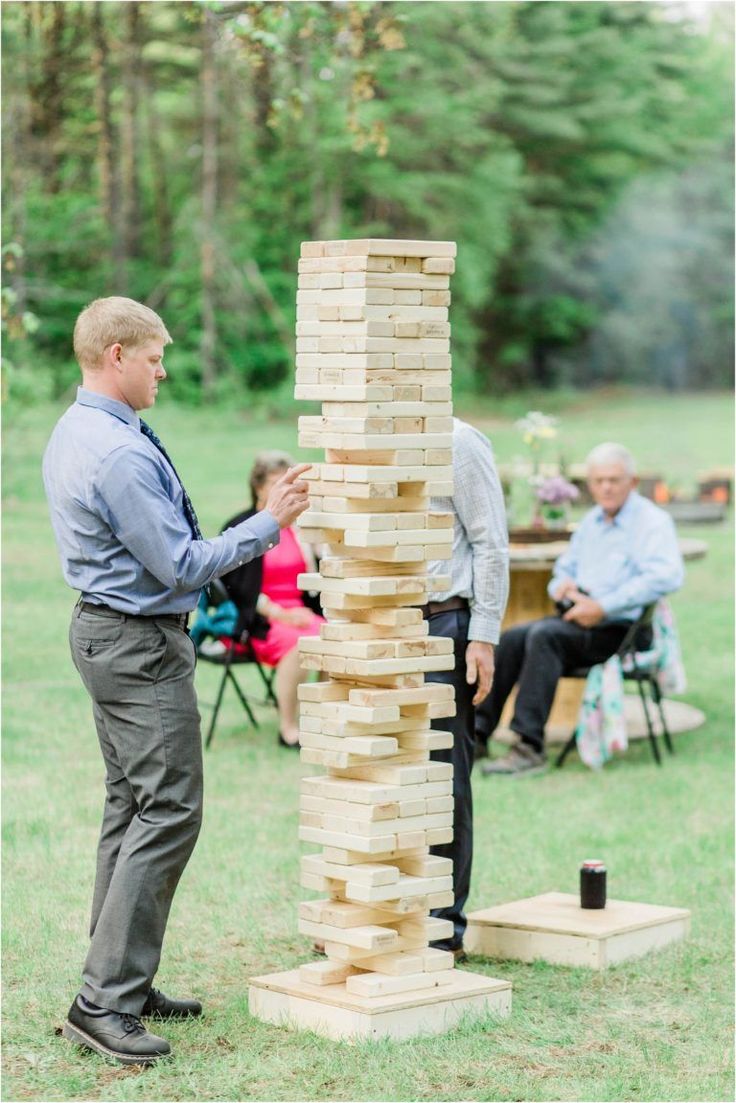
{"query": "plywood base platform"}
{"type": "Point", "coordinates": [553, 927]}
{"type": "Point", "coordinates": [283, 999]}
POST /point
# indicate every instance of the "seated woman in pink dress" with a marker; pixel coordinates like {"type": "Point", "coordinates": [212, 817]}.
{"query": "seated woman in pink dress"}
{"type": "Point", "coordinates": [270, 605]}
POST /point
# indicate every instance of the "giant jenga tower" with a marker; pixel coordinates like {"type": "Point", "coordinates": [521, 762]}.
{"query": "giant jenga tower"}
{"type": "Point", "coordinates": [373, 347]}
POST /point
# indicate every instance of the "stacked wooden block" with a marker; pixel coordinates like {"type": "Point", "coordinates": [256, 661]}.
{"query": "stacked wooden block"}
{"type": "Point", "coordinates": [373, 347]}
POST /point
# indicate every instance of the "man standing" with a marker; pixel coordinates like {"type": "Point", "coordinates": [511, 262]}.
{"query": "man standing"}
{"type": "Point", "coordinates": [623, 556]}
{"type": "Point", "coordinates": [129, 541]}
{"type": "Point", "coordinates": [470, 613]}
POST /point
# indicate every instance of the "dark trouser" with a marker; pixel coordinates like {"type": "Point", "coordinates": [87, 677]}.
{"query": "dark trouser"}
{"type": "Point", "coordinates": [537, 655]}
{"type": "Point", "coordinates": [455, 625]}
{"type": "Point", "coordinates": [139, 672]}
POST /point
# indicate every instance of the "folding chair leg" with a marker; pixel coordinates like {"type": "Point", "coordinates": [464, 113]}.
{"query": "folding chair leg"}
{"type": "Point", "coordinates": [560, 760]}
{"type": "Point", "coordinates": [229, 674]}
{"type": "Point", "coordinates": [656, 693]}
{"type": "Point", "coordinates": [216, 709]}
{"type": "Point", "coordinates": [268, 684]}
{"type": "Point", "coordinates": [647, 717]}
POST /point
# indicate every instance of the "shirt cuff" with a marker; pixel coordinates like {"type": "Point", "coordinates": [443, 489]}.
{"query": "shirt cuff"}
{"type": "Point", "coordinates": [263, 526]}
{"type": "Point", "coordinates": [483, 629]}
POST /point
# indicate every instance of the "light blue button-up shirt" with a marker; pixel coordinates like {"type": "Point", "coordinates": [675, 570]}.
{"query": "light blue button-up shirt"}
{"type": "Point", "coordinates": [117, 513]}
{"type": "Point", "coordinates": [625, 562]}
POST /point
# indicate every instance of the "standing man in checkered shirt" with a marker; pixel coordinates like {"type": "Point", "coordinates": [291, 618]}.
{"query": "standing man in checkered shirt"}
{"type": "Point", "coordinates": [470, 613]}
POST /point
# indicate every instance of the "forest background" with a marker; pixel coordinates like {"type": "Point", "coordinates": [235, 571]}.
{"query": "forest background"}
{"type": "Point", "coordinates": [579, 153]}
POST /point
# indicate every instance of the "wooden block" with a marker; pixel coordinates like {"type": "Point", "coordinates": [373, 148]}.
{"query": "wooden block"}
{"type": "Point", "coordinates": [355, 858]}
{"type": "Point", "coordinates": [338, 328]}
{"type": "Point", "coordinates": [553, 927]}
{"type": "Point", "coordinates": [441, 265]}
{"type": "Point", "coordinates": [368, 792]}
{"type": "Point", "coordinates": [404, 888]}
{"type": "Point", "coordinates": [436, 298]}
{"type": "Point", "coordinates": [392, 775]}
{"type": "Point", "coordinates": [390, 313]}
{"type": "Point", "coordinates": [431, 410]}
{"type": "Point", "coordinates": [313, 249]}
{"type": "Point", "coordinates": [341, 567]}
{"type": "Point", "coordinates": [364, 746]}
{"type": "Point", "coordinates": [434, 959]}
{"type": "Point", "coordinates": [373, 698]}
{"type": "Point", "coordinates": [341, 913]}
{"type": "Point", "coordinates": [370, 392]}
{"type": "Point", "coordinates": [398, 963]}
{"type": "Point", "coordinates": [382, 247]}
{"type": "Point", "coordinates": [371, 631]}
{"type": "Point", "coordinates": [370, 938]}
{"type": "Point", "coordinates": [377, 473]}
{"type": "Point", "coordinates": [321, 973]}
{"type": "Point", "coordinates": [325, 691]}
{"type": "Point", "coordinates": [426, 740]}
{"type": "Point", "coordinates": [373, 984]}
{"type": "Point", "coordinates": [369, 873]}
{"type": "Point", "coordinates": [371, 829]}
{"type": "Point", "coordinates": [359, 955]}
{"type": "Point", "coordinates": [359, 812]}
{"type": "Point", "coordinates": [368, 845]}
{"type": "Point", "coordinates": [284, 999]}
{"type": "Point", "coordinates": [348, 491]}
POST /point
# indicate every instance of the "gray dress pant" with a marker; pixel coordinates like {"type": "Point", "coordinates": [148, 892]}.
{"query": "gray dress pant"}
{"type": "Point", "coordinates": [139, 672]}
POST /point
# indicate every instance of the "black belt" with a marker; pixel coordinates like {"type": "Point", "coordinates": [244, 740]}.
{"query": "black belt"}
{"type": "Point", "coordinates": [432, 608]}
{"type": "Point", "coordinates": [180, 619]}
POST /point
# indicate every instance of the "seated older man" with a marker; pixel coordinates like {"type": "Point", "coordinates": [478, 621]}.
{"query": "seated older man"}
{"type": "Point", "coordinates": [623, 556]}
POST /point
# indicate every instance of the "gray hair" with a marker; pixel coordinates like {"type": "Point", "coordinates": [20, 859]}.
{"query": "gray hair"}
{"type": "Point", "coordinates": [611, 453]}
{"type": "Point", "coordinates": [265, 464]}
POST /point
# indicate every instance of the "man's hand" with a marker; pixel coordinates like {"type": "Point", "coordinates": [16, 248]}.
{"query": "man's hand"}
{"type": "Point", "coordinates": [288, 496]}
{"type": "Point", "coordinates": [479, 663]}
{"type": "Point", "coordinates": [566, 588]}
{"type": "Point", "coordinates": [586, 612]}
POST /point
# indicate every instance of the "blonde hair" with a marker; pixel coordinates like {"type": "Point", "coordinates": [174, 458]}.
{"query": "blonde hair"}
{"type": "Point", "coordinates": [265, 464]}
{"type": "Point", "coordinates": [114, 320]}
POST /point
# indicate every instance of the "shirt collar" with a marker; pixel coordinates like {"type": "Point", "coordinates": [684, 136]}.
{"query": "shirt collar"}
{"type": "Point", "coordinates": [623, 514]}
{"type": "Point", "coordinates": [120, 410]}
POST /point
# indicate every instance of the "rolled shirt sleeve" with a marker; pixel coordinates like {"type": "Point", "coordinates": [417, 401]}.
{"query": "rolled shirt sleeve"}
{"type": "Point", "coordinates": [479, 505]}
{"type": "Point", "coordinates": [134, 500]}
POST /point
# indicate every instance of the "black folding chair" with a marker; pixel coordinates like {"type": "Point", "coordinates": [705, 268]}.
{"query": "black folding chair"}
{"type": "Point", "coordinates": [638, 638]}
{"type": "Point", "coordinates": [234, 656]}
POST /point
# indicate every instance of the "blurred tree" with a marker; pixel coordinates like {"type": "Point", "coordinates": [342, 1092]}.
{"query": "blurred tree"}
{"type": "Point", "coordinates": [179, 152]}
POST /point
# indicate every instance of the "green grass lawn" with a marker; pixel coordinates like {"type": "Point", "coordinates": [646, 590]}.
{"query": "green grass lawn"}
{"type": "Point", "coordinates": [656, 1029]}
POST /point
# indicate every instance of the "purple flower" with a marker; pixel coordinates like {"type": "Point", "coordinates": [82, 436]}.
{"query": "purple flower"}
{"type": "Point", "coordinates": [555, 490]}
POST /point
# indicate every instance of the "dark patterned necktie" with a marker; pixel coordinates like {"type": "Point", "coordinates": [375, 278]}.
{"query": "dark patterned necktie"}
{"type": "Point", "coordinates": [189, 513]}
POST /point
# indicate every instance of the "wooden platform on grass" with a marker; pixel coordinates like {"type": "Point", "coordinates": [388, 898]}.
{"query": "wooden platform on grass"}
{"type": "Point", "coordinates": [553, 927]}
{"type": "Point", "coordinates": [285, 1000]}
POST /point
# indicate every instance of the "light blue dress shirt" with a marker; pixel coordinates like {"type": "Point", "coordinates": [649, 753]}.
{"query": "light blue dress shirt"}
{"type": "Point", "coordinates": [625, 562]}
{"type": "Point", "coordinates": [116, 509]}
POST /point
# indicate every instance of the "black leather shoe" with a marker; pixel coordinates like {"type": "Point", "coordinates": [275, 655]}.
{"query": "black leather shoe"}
{"type": "Point", "coordinates": [118, 1036]}
{"type": "Point", "coordinates": [159, 1006]}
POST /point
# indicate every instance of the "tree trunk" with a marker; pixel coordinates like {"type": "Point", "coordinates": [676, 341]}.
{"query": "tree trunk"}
{"type": "Point", "coordinates": [209, 204]}
{"type": "Point", "coordinates": [161, 205]}
{"type": "Point", "coordinates": [129, 145]}
{"type": "Point", "coordinates": [106, 164]}
{"type": "Point", "coordinates": [47, 93]}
